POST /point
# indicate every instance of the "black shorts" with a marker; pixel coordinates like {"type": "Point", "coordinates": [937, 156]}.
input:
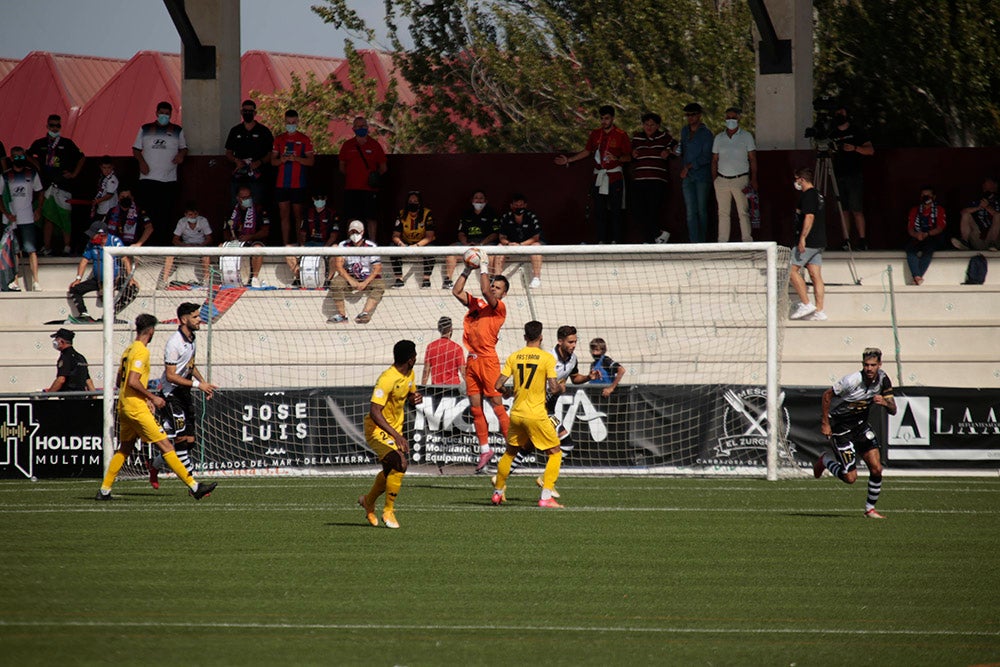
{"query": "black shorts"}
{"type": "Point", "coordinates": [361, 205]}
{"type": "Point", "coordinates": [294, 195]}
{"type": "Point", "coordinates": [178, 416]}
{"type": "Point", "coordinates": [852, 441]}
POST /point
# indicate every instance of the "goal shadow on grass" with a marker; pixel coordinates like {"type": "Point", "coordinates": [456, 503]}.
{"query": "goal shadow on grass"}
{"type": "Point", "coordinates": [817, 515]}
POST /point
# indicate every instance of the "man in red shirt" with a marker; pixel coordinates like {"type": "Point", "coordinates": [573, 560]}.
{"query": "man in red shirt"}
{"type": "Point", "coordinates": [611, 148]}
{"type": "Point", "coordinates": [362, 162]}
{"type": "Point", "coordinates": [481, 331]}
{"type": "Point", "coordinates": [444, 360]}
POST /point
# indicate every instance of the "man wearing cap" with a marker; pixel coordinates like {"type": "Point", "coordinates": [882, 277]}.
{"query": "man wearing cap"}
{"type": "Point", "coordinates": [356, 273]}
{"type": "Point", "coordinates": [734, 167]}
{"type": "Point", "coordinates": [444, 360]}
{"type": "Point", "coordinates": [180, 378]}
{"type": "Point", "coordinates": [128, 289]}
{"type": "Point", "coordinates": [696, 173]}
{"type": "Point", "coordinates": [72, 370]}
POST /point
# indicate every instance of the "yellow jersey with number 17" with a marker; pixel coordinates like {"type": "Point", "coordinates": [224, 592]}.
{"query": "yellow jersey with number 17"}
{"type": "Point", "coordinates": [134, 358]}
{"type": "Point", "coordinates": [530, 367]}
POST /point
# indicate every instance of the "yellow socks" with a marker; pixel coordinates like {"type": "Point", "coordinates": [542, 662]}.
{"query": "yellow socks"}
{"type": "Point", "coordinates": [551, 470]}
{"type": "Point", "coordinates": [392, 484]}
{"type": "Point", "coordinates": [378, 488]}
{"type": "Point", "coordinates": [117, 461]}
{"type": "Point", "coordinates": [170, 458]}
{"type": "Point", "coordinates": [503, 470]}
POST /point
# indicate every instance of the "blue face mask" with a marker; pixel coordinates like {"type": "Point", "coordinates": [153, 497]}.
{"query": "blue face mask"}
{"type": "Point", "coordinates": [291, 128]}
{"type": "Point", "coordinates": [246, 203]}
{"type": "Point", "coordinates": [320, 204]}
{"type": "Point", "coordinates": [163, 118]}
{"type": "Point", "coordinates": [361, 132]}
{"type": "Point", "coordinates": [53, 133]}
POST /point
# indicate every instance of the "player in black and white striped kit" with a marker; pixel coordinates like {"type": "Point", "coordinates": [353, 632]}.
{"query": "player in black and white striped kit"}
{"type": "Point", "coordinates": [180, 377]}
{"type": "Point", "coordinates": [844, 421]}
{"type": "Point", "coordinates": [567, 368]}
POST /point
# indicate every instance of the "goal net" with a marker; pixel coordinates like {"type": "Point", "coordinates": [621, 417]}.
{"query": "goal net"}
{"type": "Point", "coordinates": [696, 328]}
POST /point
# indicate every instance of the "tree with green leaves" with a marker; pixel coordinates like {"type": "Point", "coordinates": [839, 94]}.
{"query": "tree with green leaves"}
{"type": "Point", "coordinates": [921, 73]}
{"type": "Point", "coordinates": [528, 75]}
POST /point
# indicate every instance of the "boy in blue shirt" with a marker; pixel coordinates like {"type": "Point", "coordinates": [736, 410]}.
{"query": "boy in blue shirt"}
{"type": "Point", "coordinates": [99, 237]}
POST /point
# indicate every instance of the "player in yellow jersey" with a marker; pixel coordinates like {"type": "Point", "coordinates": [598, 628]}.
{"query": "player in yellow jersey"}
{"type": "Point", "coordinates": [384, 430]}
{"type": "Point", "coordinates": [533, 371]}
{"type": "Point", "coordinates": [135, 416]}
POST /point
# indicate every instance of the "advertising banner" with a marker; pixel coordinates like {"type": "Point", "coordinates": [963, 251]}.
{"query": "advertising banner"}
{"type": "Point", "coordinates": [51, 437]}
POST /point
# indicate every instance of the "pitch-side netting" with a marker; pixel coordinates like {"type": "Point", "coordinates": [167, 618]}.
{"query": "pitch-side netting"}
{"type": "Point", "coordinates": [695, 326]}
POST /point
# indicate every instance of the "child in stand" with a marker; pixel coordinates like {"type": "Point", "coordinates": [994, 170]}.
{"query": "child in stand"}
{"type": "Point", "coordinates": [192, 231]}
{"type": "Point", "coordinates": [609, 372]}
{"type": "Point", "coordinates": [107, 190]}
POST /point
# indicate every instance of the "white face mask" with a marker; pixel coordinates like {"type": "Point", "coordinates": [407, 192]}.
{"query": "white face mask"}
{"type": "Point", "coordinates": [291, 128]}
{"type": "Point", "coordinates": [479, 206]}
{"type": "Point", "coordinates": [320, 204]}
{"type": "Point", "coordinates": [355, 237]}
{"type": "Point", "coordinates": [797, 185]}
{"type": "Point", "coordinates": [192, 221]}
{"type": "Point", "coordinates": [246, 203]}
{"type": "Point", "coordinates": [55, 343]}
{"type": "Point", "coordinates": [732, 123]}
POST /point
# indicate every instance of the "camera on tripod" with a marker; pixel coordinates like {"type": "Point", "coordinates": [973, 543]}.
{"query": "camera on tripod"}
{"type": "Point", "coordinates": [822, 128]}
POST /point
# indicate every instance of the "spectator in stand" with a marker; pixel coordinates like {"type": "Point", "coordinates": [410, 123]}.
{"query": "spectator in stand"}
{"type": "Point", "coordinates": [362, 162]}
{"type": "Point", "coordinates": [129, 222]}
{"type": "Point", "coordinates": [734, 167]}
{"type": "Point", "coordinates": [926, 225]}
{"type": "Point", "coordinates": [249, 225]}
{"type": "Point", "coordinates": [124, 283]}
{"type": "Point", "coordinates": [292, 154]}
{"type": "Point", "coordinates": [414, 228]}
{"type": "Point", "coordinates": [810, 239]}
{"type": "Point", "coordinates": [356, 273]}
{"type": "Point", "coordinates": [478, 226]}
{"type": "Point", "coordinates": [610, 147]}
{"type": "Point", "coordinates": [72, 369]}
{"type": "Point", "coordinates": [192, 231]}
{"type": "Point", "coordinates": [605, 371]}
{"type": "Point", "coordinates": [58, 161]}
{"type": "Point", "coordinates": [159, 147]}
{"type": "Point", "coordinates": [651, 151]}
{"type": "Point", "coordinates": [444, 359]}
{"type": "Point", "coordinates": [107, 190]}
{"type": "Point", "coordinates": [696, 172]}
{"type": "Point", "coordinates": [520, 226]}
{"type": "Point", "coordinates": [320, 227]}
{"type": "Point", "coordinates": [248, 146]}
{"type": "Point", "coordinates": [980, 222]}
{"type": "Point", "coordinates": [852, 144]}
{"type": "Point", "coordinates": [21, 202]}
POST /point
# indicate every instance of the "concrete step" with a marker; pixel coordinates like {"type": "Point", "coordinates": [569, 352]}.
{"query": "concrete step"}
{"type": "Point", "coordinates": [947, 267]}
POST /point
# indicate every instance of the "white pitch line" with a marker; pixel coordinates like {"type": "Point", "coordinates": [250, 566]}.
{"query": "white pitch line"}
{"type": "Point", "coordinates": [505, 628]}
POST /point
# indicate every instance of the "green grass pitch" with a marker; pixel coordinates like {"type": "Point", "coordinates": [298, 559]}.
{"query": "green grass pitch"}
{"type": "Point", "coordinates": [635, 571]}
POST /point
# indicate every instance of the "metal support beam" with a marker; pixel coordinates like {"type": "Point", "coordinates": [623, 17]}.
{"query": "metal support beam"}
{"type": "Point", "coordinates": [199, 59]}
{"type": "Point", "coordinates": [775, 54]}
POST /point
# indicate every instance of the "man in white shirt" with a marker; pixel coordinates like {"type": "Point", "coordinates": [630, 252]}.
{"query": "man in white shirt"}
{"type": "Point", "coordinates": [734, 167]}
{"type": "Point", "coordinates": [22, 187]}
{"type": "Point", "coordinates": [159, 147]}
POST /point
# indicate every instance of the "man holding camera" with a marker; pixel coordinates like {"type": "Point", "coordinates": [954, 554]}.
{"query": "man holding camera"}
{"type": "Point", "coordinates": [852, 143]}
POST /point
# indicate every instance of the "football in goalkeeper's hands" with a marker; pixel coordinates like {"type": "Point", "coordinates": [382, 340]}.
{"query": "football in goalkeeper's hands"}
{"type": "Point", "coordinates": [472, 257]}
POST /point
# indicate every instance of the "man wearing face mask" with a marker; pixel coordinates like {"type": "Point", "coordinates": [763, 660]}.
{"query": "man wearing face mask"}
{"type": "Point", "coordinates": [734, 167]}
{"type": "Point", "coordinates": [926, 226]}
{"type": "Point", "coordinates": [159, 147]}
{"type": "Point", "coordinates": [320, 227]}
{"type": "Point", "coordinates": [58, 161]}
{"type": "Point", "coordinates": [72, 370]}
{"type": "Point", "coordinates": [127, 221]}
{"type": "Point", "coordinates": [292, 155]}
{"type": "Point", "coordinates": [191, 231]}
{"type": "Point", "coordinates": [362, 162]}
{"type": "Point", "coordinates": [21, 205]}
{"type": "Point", "coordinates": [853, 144]}
{"type": "Point", "coordinates": [250, 225]}
{"type": "Point", "coordinates": [248, 148]}
{"type": "Point", "coordinates": [810, 239]}
{"type": "Point", "coordinates": [478, 226]}
{"type": "Point", "coordinates": [520, 226]}
{"type": "Point", "coordinates": [979, 226]}
{"type": "Point", "coordinates": [359, 274]}
{"type": "Point", "coordinates": [414, 228]}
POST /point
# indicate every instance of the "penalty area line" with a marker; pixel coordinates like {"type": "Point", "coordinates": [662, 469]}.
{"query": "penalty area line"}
{"type": "Point", "coordinates": [506, 628]}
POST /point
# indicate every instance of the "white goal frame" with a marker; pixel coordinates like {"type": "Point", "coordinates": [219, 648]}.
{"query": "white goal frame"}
{"type": "Point", "coordinates": [773, 291]}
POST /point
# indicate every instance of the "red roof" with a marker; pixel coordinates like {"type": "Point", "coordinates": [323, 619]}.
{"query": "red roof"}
{"type": "Point", "coordinates": [103, 101]}
{"type": "Point", "coordinates": [45, 83]}
{"type": "Point", "coordinates": [108, 123]}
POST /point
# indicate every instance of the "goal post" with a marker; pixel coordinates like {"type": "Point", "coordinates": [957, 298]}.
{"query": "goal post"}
{"type": "Point", "coordinates": [697, 327]}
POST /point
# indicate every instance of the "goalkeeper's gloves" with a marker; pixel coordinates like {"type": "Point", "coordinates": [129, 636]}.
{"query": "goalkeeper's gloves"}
{"type": "Point", "coordinates": [483, 261]}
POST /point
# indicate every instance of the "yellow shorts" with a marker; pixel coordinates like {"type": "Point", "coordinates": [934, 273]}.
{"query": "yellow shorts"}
{"type": "Point", "coordinates": [539, 431]}
{"type": "Point", "coordinates": [381, 443]}
{"type": "Point", "coordinates": [139, 423]}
